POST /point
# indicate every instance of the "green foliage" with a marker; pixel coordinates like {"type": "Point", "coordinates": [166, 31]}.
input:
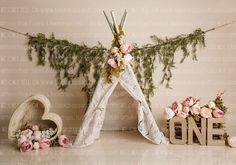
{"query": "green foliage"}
{"type": "Point", "coordinates": [220, 103]}
{"type": "Point", "coordinates": [70, 60]}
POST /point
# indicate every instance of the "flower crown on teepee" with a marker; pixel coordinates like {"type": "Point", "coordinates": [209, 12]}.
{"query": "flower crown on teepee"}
{"type": "Point", "coordinates": [119, 53]}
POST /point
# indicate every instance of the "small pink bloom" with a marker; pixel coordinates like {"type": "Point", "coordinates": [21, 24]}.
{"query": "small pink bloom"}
{"type": "Point", "coordinates": [35, 127]}
{"type": "Point", "coordinates": [126, 48]}
{"type": "Point", "coordinates": [186, 109]}
{"type": "Point", "coordinates": [217, 113]}
{"type": "Point", "coordinates": [206, 112]}
{"type": "Point", "coordinates": [195, 109]}
{"type": "Point", "coordinates": [26, 146]}
{"type": "Point", "coordinates": [176, 107]}
{"type": "Point", "coordinates": [63, 140]}
{"type": "Point", "coordinates": [112, 63]}
{"type": "Point", "coordinates": [44, 143]}
{"type": "Point", "coordinates": [37, 135]}
{"type": "Point", "coordinates": [36, 145]}
{"type": "Point", "coordinates": [189, 101]}
{"type": "Point", "coordinates": [114, 50]}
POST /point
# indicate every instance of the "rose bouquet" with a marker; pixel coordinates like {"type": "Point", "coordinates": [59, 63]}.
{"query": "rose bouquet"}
{"type": "Point", "coordinates": [32, 137]}
{"type": "Point", "coordinates": [190, 107]}
{"type": "Point", "coordinates": [118, 58]}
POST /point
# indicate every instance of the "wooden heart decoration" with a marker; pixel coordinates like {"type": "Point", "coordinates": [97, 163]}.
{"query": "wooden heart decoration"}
{"type": "Point", "coordinates": [21, 115]}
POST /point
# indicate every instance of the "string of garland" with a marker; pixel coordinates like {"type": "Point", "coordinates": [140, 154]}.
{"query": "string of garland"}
{"type": "Point", "coordinates": [70, 60]}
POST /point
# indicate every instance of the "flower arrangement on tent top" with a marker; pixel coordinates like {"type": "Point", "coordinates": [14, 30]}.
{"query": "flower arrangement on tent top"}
{"type": "Point", "coordinates": [190, 107]}
{"type": "Point", "coordinates": [119, 53]}
{"type": "Point", "coordinates": [32, 137]}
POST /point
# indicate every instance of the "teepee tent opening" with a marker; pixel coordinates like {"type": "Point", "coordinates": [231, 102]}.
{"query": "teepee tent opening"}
{"type": "Point", "coordinates": [121, 113]}
{"type": "Point", "coordinates": [95, 114]}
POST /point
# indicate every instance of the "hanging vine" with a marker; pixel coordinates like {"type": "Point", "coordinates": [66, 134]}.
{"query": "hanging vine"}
{"type": "Point", "coordinates": [71, 61]}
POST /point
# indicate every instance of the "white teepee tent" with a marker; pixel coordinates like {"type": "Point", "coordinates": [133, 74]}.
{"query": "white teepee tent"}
{"type": "Point", "coordinates": [95, 114]}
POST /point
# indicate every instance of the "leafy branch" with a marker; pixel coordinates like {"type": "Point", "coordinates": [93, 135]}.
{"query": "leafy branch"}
{"type": "Point", "coordinates": [71, 61]}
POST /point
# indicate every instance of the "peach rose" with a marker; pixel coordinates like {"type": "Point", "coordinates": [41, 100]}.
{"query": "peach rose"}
{"type": "Point", "coordinates": [189, 101]}
{"type": "Point", "coordinates": [206, 112]}
{"type": "Point", "coordinates": [232, 141]}
{"type": "Point", "coordinates": [168, 113]}
{"type": "Point", "coordinates": [186, 109]}
{"type": "Point", "coordinates": [182, 114]}
{"type": "Point", "coordinates": [126, 48]}
{"type": "Point", "coordinates": [63, 140]}
{"type": "Point", "coordinates": [35, 127]}
{"type": "Point", "coordinates": [44, 143]}
{"type": "Point", "coordinates": [26, 146]}
{"type": "Point", "coordinates": [176, 107]}
{"type": "Point", "coordinates": [27, 132]}
{"type": "Point", "coordinates": [112, 63]}
{"type": "Point", "coordinates": [37, 135]}
{"type": "Point", "coordinates": [36, 145]}
{"type": "Point", "coordinates": [217, 113]}
{"type": "Point", "coordinates": [114, 50]}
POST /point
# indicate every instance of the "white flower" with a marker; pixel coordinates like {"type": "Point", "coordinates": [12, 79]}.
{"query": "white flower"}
{"type": "Point", "coordinates": [232, 141]}
{"type": "Point", "coordinates": [212, 105]}
{"type": "Point", "coordinates": [21, 139]}
{"type": "Point", "coordinates": [195, 109]}
{"type": "Point", "coordinates": [169, 113]}
{"type": "Point", "coordinates": [127, 58]}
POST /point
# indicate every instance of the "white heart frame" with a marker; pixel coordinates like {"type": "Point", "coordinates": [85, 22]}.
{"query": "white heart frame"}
{"type": "Point", "coordinates": [19, 117]}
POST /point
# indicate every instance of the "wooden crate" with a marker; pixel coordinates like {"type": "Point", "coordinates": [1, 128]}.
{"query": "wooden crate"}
{"type": "Point", "coordinates": [205, 131]}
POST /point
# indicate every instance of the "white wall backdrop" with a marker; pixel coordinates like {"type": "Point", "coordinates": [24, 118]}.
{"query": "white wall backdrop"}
{"type": "Point", "coordinates": [82, 21]}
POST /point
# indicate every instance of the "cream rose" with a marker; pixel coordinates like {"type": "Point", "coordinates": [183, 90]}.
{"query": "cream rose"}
{"type": "Point", "coordinates": [206, 112]}
{"type": "Point", "coordinates": [168, 113]}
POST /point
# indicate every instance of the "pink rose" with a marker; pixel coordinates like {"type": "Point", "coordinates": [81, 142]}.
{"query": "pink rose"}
{"type": "Point", "coordinates": [195, 109]}
{"type": "Point", "coordinates": [35, 127]}
{"type": "Point", "coordinates": [27, 132]}
{"type": "Point", "coordinates": [182, 114]}
{"type": "Point", "coordinates": [189, 101]}
{"type": "Point", "coordinates": [37, 135]}
{"type": "Point", "coordinates": [126, 48]}
{"type": "Point", "coordinates": [63, 140]}
{"type": "Point", "coordinates": [217, 113]}
{"type": "Point", "coordinates": [36, 145]}
{"type": "Point", "coordinates": [26, 146]}
{"type": "Point", "coordinates": [186, 109]}
{"type": "Point", "coordinates": [232, 141]}
{"type": "Point", "coordinates": [176, 107]}
{"type": "Point", "coordinates": [206, 112]}
{"type": "Point", "coordinates": [44, 143]}
{"type": "Point", "coordinates": [114, 50]}
{"type": "Point", "coordinates": [112, 63]}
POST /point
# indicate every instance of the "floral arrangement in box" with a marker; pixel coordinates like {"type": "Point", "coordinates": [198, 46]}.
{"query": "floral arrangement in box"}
{"type": "Point", "coordinates": [33, 137]}
{"type": "Point", "coordinates": [191, 107]}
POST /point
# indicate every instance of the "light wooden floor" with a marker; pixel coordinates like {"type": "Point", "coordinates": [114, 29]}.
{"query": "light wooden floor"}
{"type": "Point", "coordinates": [121, 148]}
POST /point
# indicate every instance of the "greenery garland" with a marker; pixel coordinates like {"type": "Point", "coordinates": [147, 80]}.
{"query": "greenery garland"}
{"type": "Point", "coordinates": [70, 61]}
